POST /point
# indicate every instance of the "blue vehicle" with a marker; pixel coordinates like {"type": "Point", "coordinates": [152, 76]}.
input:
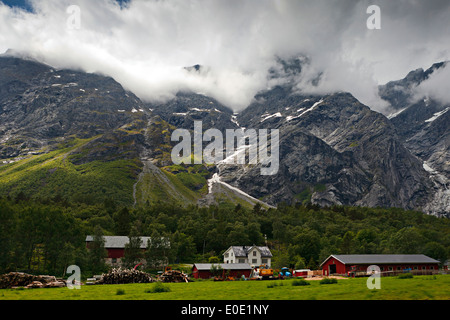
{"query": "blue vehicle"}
{"type": "Point", "coordinates": [285, 272]}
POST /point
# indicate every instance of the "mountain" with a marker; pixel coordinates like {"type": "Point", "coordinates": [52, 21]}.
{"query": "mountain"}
{"type": "Point", "coordinates": [85, 138]}
{"type": "Point", "coordinates": [335, 151]}
{"type": "Point", "coordinates": [422, 124]}
{"type": "Point", "coordinates": [62, 131]}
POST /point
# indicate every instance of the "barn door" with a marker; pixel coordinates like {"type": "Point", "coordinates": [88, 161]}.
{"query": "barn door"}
{"type": "Point", "coordinates": [332, 269]}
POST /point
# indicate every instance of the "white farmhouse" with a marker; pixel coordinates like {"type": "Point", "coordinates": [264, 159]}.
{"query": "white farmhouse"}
{"type": "Point", "coordinates": [253, 255]}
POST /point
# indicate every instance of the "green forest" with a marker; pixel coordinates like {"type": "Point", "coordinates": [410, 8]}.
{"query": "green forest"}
{"type": "Point", "coordinates": [44, 237]}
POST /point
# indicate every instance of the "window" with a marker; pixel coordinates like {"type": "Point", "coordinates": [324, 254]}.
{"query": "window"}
{"type": "Point", "coordinates": [264, 261]}
{"type": "Point", "coordinates": [390, 268]}
{"type": "Point", "coordinates": [254, 260]}
{"type": "Point", "coordinates": [415, 268]}
{"type": "Point", "coordinates": [423, 267]}
{"type": "Point", "coordinates": [114, 260]}
{"type": "Point", "coordinates": [241, 260]}
{"type": "Point", "coordinates": [432, 267]}
{"type": "Point", "coordinates": [399, 268]}
{"type": "Point", "coordinates": [226, 255]}
{"type": "Point", "coordinates": [254, 253]}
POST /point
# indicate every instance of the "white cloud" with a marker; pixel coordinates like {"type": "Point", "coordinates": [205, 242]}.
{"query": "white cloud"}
{"type": "Point", "coordinates": [436, 86]}
{"type": "Point", "coordinates": [145, 45]}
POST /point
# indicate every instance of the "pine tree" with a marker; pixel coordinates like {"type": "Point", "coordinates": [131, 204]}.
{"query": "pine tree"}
{"type": "Point", "coordinates": [122, 222]}
{"type": "Point", "coordinates": [312, 264]}
{"type": "Point", "coordinates": [157, 250]}
{"type": "Point", "coordinates": [133, 252]}
{"type": "Point", "coordinates": [97, 252]}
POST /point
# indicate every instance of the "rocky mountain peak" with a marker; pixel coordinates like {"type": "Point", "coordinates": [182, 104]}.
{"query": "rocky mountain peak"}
{"type": "Point", "coordinates": [333, 149]}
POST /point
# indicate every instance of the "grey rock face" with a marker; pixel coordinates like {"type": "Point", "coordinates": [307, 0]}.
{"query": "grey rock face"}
{"type": "Point", "coordinates": [336, 142]}
{"type": "Point", "coordinates": [333, 149]}
{"type": "Point", "coordinates": [422, 125]}
{"type": "Point", "coordinates": [40, 105]}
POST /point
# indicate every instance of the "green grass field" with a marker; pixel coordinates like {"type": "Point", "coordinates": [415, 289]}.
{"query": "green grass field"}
{"type": "Point", "coordinates": [392, 288]}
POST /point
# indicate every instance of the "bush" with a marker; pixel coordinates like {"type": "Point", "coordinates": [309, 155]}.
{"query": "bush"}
{"type": "Point", "coordinates": [275, 284]}
{"type": "Point", "coordinates": [300, 282]}
{"type": "Point", "coordinates": [120, 292]}
{"type": "Point", "coordinates": [328, 281]}
{"type": "Point", "coordinates": [157, 288]}
{"type": "Point", "coordinates": [405, 276]}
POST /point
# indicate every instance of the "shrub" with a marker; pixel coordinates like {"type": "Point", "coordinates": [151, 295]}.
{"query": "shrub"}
{"type": "Point", "coordinates": [328, 281]}
{"type": "Point", "coordinates": [405, 276]}
{"type": "Point", "coordinates": [275, 284]}
{"type": "Point", "coordinates": [157, 288]}
{"type": "Point", "coordinates": [300, 282]}
{"type": "Point", "coordinates": [120, 292]}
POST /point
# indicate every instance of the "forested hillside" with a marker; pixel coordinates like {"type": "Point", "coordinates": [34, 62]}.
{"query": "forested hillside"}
{"type": "Point", "coordinates": [47, 236]}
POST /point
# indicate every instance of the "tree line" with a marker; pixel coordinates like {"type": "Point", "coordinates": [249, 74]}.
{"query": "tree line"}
{"type": "Point", "coordinates": [47, 236]}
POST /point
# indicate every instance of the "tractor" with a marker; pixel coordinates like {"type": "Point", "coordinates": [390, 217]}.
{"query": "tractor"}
{"type": "Point", "coordinates": [285, 273]}
{"type": "Point", "coordinates": [263, 272]}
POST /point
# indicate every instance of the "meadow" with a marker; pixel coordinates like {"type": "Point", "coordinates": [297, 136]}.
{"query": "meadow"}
{"type": "Point", "coordinates": [392, 288]}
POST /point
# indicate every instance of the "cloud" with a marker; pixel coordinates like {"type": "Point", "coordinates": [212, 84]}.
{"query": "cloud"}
{"type": "Point", "coordinates": [435, 87]}
{"type": "Point", "coordinates": [145, 44]}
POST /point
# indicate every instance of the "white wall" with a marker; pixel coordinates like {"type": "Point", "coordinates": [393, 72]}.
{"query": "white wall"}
{"type": "Point", "coordinates": [254, 258]}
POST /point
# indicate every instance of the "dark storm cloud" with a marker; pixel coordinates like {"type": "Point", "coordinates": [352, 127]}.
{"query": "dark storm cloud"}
{"type": "Point", "coordinates": [144, 44]}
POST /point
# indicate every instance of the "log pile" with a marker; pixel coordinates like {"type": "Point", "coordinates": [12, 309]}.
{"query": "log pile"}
{"type": "Point", "coordinates": [123, 276]}
{"type": "Point", "coordinates": [20, 279]}
{"type": "Point", "coordinates": [173, 276]}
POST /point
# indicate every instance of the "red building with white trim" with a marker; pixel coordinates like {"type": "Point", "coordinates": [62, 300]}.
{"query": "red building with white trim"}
{"type": "Point", "coordinates": [115, 246]}
{"type": "Point", "coordinates": [344, 264]}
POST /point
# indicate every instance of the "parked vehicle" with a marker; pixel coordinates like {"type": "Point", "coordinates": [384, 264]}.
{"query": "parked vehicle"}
{"type": "Point", "coordinates": [285, 272]}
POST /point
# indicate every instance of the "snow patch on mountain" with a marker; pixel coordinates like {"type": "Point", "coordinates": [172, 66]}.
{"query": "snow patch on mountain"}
{"type": "Point", "coordinates": [437, 115]}
{"type": "Point", "coordinates": [393, 115]}
{"type": "Point", "coordinates": [276, 115]}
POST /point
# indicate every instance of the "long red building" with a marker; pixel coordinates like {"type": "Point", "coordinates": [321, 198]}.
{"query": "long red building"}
{"type": "Point", "coordinates": [115, 246]}
{"type": "Point", "coordinates": [344, 264]}
{"type": "Point", "coordinates": [235, 270]}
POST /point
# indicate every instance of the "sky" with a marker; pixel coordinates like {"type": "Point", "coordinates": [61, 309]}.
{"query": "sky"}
{"type": "Point", "coordinates": [145, 44]}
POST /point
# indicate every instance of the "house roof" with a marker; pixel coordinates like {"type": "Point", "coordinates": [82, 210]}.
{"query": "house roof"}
{"type": "Point", "coordinates": [381, 258]}
{"type": "Point", "coordinates": [118, 242]}
{"type": "Point", "coordinates": [225, 266]}
{"type": "Point", "coordinates": [242, 251]}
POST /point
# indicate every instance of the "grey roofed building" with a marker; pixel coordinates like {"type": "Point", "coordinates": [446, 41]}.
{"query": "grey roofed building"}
{"type": "Point", "coordinates": [242, 251]}
{"type": "Point", "coordinates": [118, 242]}
{"type": "Point", "coordinates": [381, 258]}
{"type": "Point", "coordinates": [253, 255]}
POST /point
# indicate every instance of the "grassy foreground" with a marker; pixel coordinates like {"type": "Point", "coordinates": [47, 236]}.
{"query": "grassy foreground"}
{"type": "Point", "coordinates": [392, 288]}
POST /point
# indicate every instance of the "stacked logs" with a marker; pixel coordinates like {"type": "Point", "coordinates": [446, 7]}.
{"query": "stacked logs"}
{"type": "Point", "coordinates": [123, 276]}
{"type": "Point", "coordinates": [173, 276]}
{"type": "Point", "coordinates": [20, 279]}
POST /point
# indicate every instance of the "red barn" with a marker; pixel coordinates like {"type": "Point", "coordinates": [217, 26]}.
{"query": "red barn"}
{"type": "Point", "coordinates": [235, 270]}
{"type": "Point", "coordinates": [115, 245]}
{"type": "Point", "coordinates": [344, 264]}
